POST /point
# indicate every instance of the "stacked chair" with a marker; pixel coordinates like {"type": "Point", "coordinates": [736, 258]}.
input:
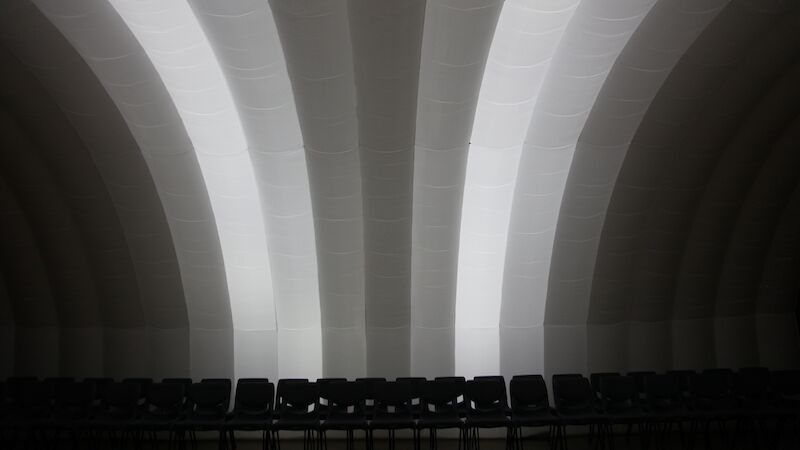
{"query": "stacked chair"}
{"type": "Point", "coordinates": [750, 407]}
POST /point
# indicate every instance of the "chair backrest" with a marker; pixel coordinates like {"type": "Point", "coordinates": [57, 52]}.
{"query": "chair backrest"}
{"type": "Point", "coordinates": [122, 398]}
{"type": "Point", "coordinates": [640, 376]}
{"type": "Point", "coordinates": [254, 396]}
{"type": "Point", "coordinates": [166, 397]}
{"type": "Point", "coordinates": [529, 394]}
{"type": "Point", "coordinates": [573, 395]}
{"type": "Point", "coordinates": [682, 377]}
{"type": "Point", "coordinates": [710, 383]}
{"type": "Point", "coordinates": [619, 393]}
{"type": "Point", "coordinates": [440, 396]}
{"type": "Point", "coordinates": [144, 385]}
{"type": "Point", "coordinates": [750, 382]}
{"type": "Point", "coordinates": [297, 397]}
{"type": "Point", "coordinates": [785, 382]}
{"type": "Point", "coordinates": [75, 396]}
{"type": "Point", "coordinates": [393, 397]}
{"type": "Point", "coordinates": [486, 394]}
{"type": "Point", "coordinates": [99, 384]}
{"type": "Point", "coordinates": [597, 378]}
{"type": "Point", "coordinates": [186, 383]}
{"type": "Point", "coordinates": [210, 398]}
{"type": "Point", "coordinates": [664, 392]}
{"type": "Point", "coordinates": [345, 398]}
{"type": "Point", "coordinates": [370, 384]}
{"type": "Point", "coordinates": [461, 387]}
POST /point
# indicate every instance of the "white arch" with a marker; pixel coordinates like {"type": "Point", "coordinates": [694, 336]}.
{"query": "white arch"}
{"type": "Point", "coordinates": [245, 39]}
{"type": "Point", "coordinates": [525, 41]}
{"type": "Point", "coordinates": [456, 39]}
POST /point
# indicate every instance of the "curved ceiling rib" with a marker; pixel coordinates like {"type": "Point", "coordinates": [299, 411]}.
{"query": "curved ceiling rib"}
{"type": "Point", "coordinates": [65, 160]}
{"type": "Point", "coordinates": [181, 55]}
{"type": "Point", "coordinates": [589, 47]}
{"type": "Point", "coordinates": [638, 252]}
{"type": "Point", "coordinates": [714, 219]}
{"type": "Point", "coordinates": [776, 323]}
{"type": "Point", "coordinates": [245, 39]}
{"type": "Point", "coordinates": [103, 40]}
{"type": "Point", "coordinates": [386, 36]}
{"type": "Point", "coordinates": [456, 39]}
{"type": "Point", "coordinates": [36, 337]}
{"type": "Point", "coordinates": [6, 328]}
{"type": "Point", "coordinates": [316, 43]}
{"type": "Point", "coordinates": [70, 271]}
{"type": "Point", "coordinates": [85, 104]}
{"type": "Point", "coordinates": [527, 36]}
{"type": "Point", "coordinates": [759, 213]}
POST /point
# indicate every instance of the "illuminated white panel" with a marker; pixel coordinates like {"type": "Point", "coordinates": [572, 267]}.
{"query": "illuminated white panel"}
{"type": "Point", "coordinates": [527, 35]}
{"type": "Point", "coordinates": [594, 38]}
{"type": "Point", "coordinates": [172, 38]}
{"type": "Point", "coordinates": [245, 39]}
{"type": "Point", "coordinates": [456, 40]}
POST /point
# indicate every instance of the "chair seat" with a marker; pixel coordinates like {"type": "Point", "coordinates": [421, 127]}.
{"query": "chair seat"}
{"type": "Point", "coordinates": [533, 419]}
{"type": "Point", "coordinates": [249, 422]}
{"type": "Point", "coordinates": [344, 423]}
{"type": "Point", "coordinates": [450, 420]}
{"type": "Point", "coordinates": [391, 423]}
{"type": "Point", "coordinates": [296, 424]}
{"type": "Point", "coordinates": [582, 418]}
{"type": "Point", "coordinates": [489, 420]}
{"type": "Point", "coordinates": [201, 423]}
{"type": "Point", "coordinates": [157, 421]}
{"type": "Point", "coordinates": [628, 416]}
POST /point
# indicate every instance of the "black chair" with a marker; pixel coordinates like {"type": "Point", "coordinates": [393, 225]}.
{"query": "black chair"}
{"type": "Point", "coordinates": [370, 384]}
{"type": "Point", "coordinates": [29, 411]}
{"type": "Point", "coordinates": [666, 406]}
{"type": "Point", "coordinates": [440, 409]}
{"type": "Point", "coordinates": [73, 411]}
{"type": "Point", "coordinates": [163, 408]}
{"type": "Point", "coordinates": [415, 385]}
{"type": "Point", "coordinates": [785, 394]}
{"type": "Point", "coordinates": [620, 401]}
{"type": "Point", "coordinates": [297, 406]}
{"type": "Point", "coordinates": [682, 377]}
{"type": "Point", "coordinates": [99, 389]}
{"type": "Point", "coordinates": [210, 400]}
{"type": "Point", "coordinates": [144, 384]}
{"type": "Point", "coordinates": [120, 408]}
{"type": "Point", "coordinates": [461, 386]}
{"type": "Point", "coordinates": [597, 378]}
{"type": "Point", "coordinates": [576, 404]}
{"type": "Point", "coordinates": [641, 376]}
{"type": "Point", "coordinates": [711, 401]}
{"type": "Point", "coordinates": [322, 386]}
{"type": "Point", "coordinates": [393, 410]}
{"type": "Point", "coordinates": [487, 407]}
{"type": "Point", "coordinates": [345, 410]}
{"type": "Point", "coordinates": [252, 409]}
{"type": "Point", "coordinates": [530, 407]}
{"type": "Point", "coordinates": [187, 387]}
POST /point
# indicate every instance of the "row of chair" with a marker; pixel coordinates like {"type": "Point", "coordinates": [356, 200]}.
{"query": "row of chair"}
{"type": "Point", "coordinates": [41, 412]}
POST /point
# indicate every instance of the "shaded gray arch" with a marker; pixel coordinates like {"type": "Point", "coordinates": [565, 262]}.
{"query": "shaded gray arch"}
{"type": "Point", "coordinates": [758, 218]}
{"type": "Point", "coordinates": [73, 280]}
{"type": "Point", "coordinates": [386, 38]}
{"type": "Point", "coordinates": [714, 221]}
{"type": "Point", "coordinates": [36, 335]}
{"type": "Point", "coordinates": [96, 32]}
{"type": "Point", "coordinates": [7, 330]}
{"type": "Point", "coordinates": [62, 155]}
{"type": "Point", "coordinates": [72, 88]}
{"type": "Point", "coordinates": [316, 43]}
{"type": "Point", "coordinates": [456, 39]}
{"type": "Point", "coordinates": [776, 322]}
{"type": "Point", "coordinates": [678, 142]}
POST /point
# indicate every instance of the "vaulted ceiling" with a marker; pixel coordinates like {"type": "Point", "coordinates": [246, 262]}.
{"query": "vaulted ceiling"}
{"type": "Point", "coordinates": [347, 188]}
